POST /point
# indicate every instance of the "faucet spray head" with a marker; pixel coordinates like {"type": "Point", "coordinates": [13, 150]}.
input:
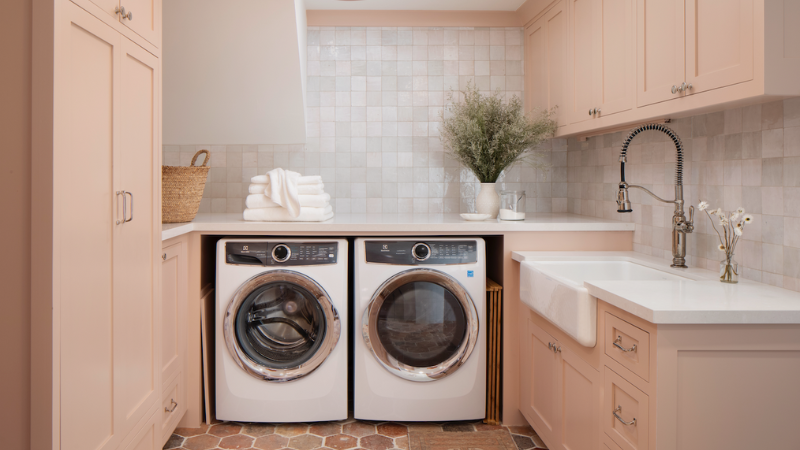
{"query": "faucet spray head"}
{"type": "Point", "coordinates": [623, 202]}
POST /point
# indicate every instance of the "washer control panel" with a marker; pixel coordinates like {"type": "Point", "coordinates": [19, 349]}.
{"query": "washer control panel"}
{"type": "Point", "coordinates": [281, 253]}
{"type": "Point", "coordinates": [422, 252]}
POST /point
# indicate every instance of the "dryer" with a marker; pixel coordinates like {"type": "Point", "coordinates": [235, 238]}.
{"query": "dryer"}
{"type": "Point", "coordinates": [420, 350]}
{"type": "Point", "coordinates": [281, 330]}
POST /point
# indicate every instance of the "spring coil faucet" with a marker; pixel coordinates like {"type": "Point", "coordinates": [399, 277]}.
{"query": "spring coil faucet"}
{"type": "Point", "coordinates": [680, 226]}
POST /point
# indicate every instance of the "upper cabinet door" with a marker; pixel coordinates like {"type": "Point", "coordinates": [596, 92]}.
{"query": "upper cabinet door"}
{"type": "Point", "coordinates": [144, 19]}
{"type": "Point", "coordinates": [661, 53]}
{"type": "Point", "coordinates": [581, 67]}
{"type": "Point", "coordinates": [719, 43]}
{"type": "Point", "coordinates": [615, 53]}
{"type": "Point", "coordinates": [545, 62]}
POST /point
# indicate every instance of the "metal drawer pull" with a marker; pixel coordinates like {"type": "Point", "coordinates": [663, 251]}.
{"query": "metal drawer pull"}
{"type": "Point", "coordinates": [123, 198]}
{"type": "Point", "coordinates": [164, 257]}
{"type": "Point", "coordinates": [174, 405]}
{"type": "Point", "coordinates": [619, 409]}
{"type": "Point", "coordinates": [617, 343]}
{"type": "Point", "coordinates": [555, 348]}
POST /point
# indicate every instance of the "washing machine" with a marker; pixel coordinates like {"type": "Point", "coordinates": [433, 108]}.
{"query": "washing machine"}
{"type": "Point", "coordinates": [420, 346]}
{"type": "Point", "coordinates": [281, 330]}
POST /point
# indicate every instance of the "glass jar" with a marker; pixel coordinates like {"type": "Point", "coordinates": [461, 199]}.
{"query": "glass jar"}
{"type": "Point", "coordinates": [512, 205]}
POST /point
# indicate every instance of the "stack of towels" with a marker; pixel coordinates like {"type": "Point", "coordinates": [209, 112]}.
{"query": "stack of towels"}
{"type": "Point", "coordinates": [286, 196]}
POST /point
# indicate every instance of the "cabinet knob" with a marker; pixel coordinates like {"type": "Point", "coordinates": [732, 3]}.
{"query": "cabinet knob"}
{"type": "Point", "coordinates": [674, 89]}
{"type": "Point", "coordinates": [164, 257]}
{"type": "Point", "coordinates": [121, 11]}
{"type": "Point", "coordinates": [591, 112]}
{"type": "Point", "coordinates": [597, 111]}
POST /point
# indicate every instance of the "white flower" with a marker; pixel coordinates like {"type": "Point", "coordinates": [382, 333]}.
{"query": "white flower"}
{"type": "Point", "coordinates": [722, 219]}
{"type": "Point", "coordinates": [734, 216]}
{"type": "Point", "coordinates": [721, 247]}
{"type": "Point", "coordinates": [738, 230]}
{"type": "Point", "coordinates": [748, 218]}
{"type": "Point", "coordinates": [702, 206]}
{"type": "Point", "coordinates": [740, 210]}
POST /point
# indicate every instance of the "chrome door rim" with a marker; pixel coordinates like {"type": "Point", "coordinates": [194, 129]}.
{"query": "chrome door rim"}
{"type": "Point", "coordinates": [333, 327]}
{"type": "Point", "coordinates": [431, 373]}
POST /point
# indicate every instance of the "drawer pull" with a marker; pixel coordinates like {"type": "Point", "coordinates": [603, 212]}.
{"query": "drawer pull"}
{"type": "Point", "coordinates": [619, 409]}
{"type": "Point", "coordinates": [174, 405]}
{"type": "Point", "coordinates": [617, 343]}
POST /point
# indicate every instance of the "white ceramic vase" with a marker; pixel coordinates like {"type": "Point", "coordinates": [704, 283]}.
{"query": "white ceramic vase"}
{"type": "Point", "coordinates": [488, 202]}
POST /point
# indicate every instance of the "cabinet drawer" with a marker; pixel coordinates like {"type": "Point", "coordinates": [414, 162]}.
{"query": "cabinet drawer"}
{"type": "Point", "coordinates": [628, 345]}
{"type": "Point", "coordinates": [608, 444]}
{"type": "Point", "coordinates": [625, 413]}
{"type": "Point", "coordinates": [173, 404]}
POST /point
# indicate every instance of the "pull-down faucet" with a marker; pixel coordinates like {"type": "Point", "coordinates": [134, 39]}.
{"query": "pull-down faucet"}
{"type": "Point", "coordinates": [680, 226]}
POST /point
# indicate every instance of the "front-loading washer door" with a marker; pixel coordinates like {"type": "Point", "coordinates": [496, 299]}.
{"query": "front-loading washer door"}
{"type": "Point", "coordinates": [421, 325]}
{"type": "Point", "coordinates": [280, 326]}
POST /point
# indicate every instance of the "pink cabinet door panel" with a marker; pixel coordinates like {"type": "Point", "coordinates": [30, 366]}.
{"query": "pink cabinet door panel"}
{"type": "Point", "coordinates": [539, 382]}
{"type": "Point", "coordinates": [581, 67]}
{"type": "Point", "coordinates": [660, 49]}
{"type": "Point", "coordinates": [628, 345]}
{"type": "Point", "coordinates": [145, 19]}
{"type": "Point", "coordinates": [581, 390]}
{"type": "Point", "coordinates": [615, 56]}
{"type": "Point", "coordinates": [719, 43]}
{"type": "Point", "coordinates": [546, 60]}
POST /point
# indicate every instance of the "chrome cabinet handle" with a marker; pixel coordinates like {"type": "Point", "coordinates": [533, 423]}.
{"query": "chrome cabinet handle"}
{"type": "Point", "coordinates": [591, 112]}
{"type": "Point", "coordinates": [164, 257]}
{"type": "Point", "coordinates": [555, 348]}
{"type": "Point", "coordinates": [618, 342]}
{"type": "Point", "coordinates": [174, 405]}
{"type": "Point", "coordinates": [121, 11]}
{"type": "Point", "coordinates": [131, 194]}
{"type": "Point", "coordinates": [619, 409]}
{"type": "Point", "coordinates": [674, 89]}
{"type": "Point", "coordinates": [597, 111]}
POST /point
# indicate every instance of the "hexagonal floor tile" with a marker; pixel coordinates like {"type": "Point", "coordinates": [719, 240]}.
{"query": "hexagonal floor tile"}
{"type": "Point", "coordinates": [305, 442]}
{"type": "Point", "coordinates": [174, 441]}
{"type": "Point", "coordinates": [291, 429]}
{"type": "Point", "coordinates": [341, 442]}
{"type": "Point", "coordinates": [271, 442]}
{"type": "Point", "coordinates": [424, 426]}
{"type": "Point", "coordinates": [237, 442]}
{"type": "Point", "coordinates": [225, 429]}
{"type": "Point", "coordinates": [525, 430]}
{"type": "Point", "coordinates": [523, 442]}
{"type": "Point", "coordinates": [189, 432]}
{"type": "Point", "coordinates": [358, 429]}
{"type": "Point", "coordinates": [392, 430]}
{"type": "Point", "coordinates": [376, 442]}
{"type": "Point", "coordinates": [325, 429]}
{"type": "Point", "coordinates": [257, 429]}
{"type": "Point", "coordinates": [401, 442]}
{"type": "Point", "coordinates": [202, 442]}
{"type": "Point", "coordinates": [487, 427]}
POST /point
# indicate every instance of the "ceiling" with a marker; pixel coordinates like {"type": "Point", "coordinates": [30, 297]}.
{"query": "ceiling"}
{"type": "Point", "coordinates": [431, 5]}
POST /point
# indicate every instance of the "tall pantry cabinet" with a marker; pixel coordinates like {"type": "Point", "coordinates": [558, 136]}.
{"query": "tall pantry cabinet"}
{"type": "Point", "coordinates": [96, 331]}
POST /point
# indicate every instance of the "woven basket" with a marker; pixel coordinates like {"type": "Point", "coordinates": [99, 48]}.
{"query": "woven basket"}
{"type": "Point", "coordinates": [182, 190]}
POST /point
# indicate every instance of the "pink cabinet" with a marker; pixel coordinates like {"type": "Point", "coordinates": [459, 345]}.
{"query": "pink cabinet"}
{"type": "Point", "coordinates": [581, 68]}
{"type": "Point", "coordinates": [560, 391]}
{"type": "Point", "coordinates": [661, 57]}
{"type": "Point", "coordinates": [138, 20]}
{"type": "Point", "coordinates": [545, 61]}
{"type": "Point", "coordinates": [174, 310]}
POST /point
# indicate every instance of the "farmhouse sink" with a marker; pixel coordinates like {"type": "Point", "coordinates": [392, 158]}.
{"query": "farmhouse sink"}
{"type": "Point", "coordinates": [556, 291]}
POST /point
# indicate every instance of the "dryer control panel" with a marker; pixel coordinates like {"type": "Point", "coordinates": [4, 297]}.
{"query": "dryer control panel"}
{"type": "Point", "coordinates": [422, 252]}
{"type": "Point", "coordinates": [281, 254]}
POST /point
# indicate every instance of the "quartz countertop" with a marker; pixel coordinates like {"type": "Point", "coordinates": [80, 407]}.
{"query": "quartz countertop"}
{"type": "Point", "coordinates": [701, 299]}
{"type": "Point", "coordinates": [393, 223]}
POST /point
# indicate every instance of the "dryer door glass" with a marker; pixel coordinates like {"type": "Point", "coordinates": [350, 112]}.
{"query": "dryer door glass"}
{"type": "Point", "coordinates": [421, 324]}
{"type": "Point", "coordinates": [280, 325]}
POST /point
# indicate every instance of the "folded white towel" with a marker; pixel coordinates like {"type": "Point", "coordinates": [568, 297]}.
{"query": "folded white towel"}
{"type": "Point", "coordinates": [262, 201]}
{"type": "Point", "coordinates": [283, 215]}
{"type": "Point", "coordinates": [303, 189]}
{"type": "Point", "coordinates": [282, 189]}
{"type": "Point", "coordinates": [301, 180]}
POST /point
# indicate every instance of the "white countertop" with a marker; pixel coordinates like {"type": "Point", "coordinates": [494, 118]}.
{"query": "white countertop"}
{"type": "Point", "coordinates": [702, 300]}
{"type": "Point", "coordinates": [393, 223]}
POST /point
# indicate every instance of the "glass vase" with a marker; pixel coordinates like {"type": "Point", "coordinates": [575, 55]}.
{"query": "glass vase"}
{"type": "Point", "coordinates": [729, 270]}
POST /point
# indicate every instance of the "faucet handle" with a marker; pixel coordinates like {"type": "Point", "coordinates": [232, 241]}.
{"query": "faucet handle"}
{"type": "Point", "coordinates": [691, 215]}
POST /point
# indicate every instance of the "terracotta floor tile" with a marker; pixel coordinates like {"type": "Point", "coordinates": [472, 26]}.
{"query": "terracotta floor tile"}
{"type": "Point", "coordinates": [189, 432]}
{"type": "Point", "coordinates": [305, 442]}
{"type": "Point", "coordinates": [392, 430]}
{"type": "Point", "coordinates": [291, 429]}
{"type": "Point", "coordinates": [401, 442]}
{"type": "Point", "coordinates": [271, 442]}
{"type": "Point", "coordinates": [358, 429]}
{"type": "Point", "coordinates": [258, 429]}
{"type": "Point", "coordinates": [525, 431]}
{"type": "Point", "coordinates": [538, 441]}
{"type": "Point", "coordinates": [486, 427]}
{"type": "Point", "coordinates": [458, 426]}
{"type": "Point", "coordinates": [237, 441]}
{"type": "Point", "coordinates": [376, 442]}
{"type": "Point", "coordinates": [225, 429]}
{"type": "Point", "coordinates": [202, 442]}
{"type": "Point", "coordinates": [326, 428]}
{"type": "Point", "coordinates": [523, 442]}
{"type": "Point", "coordinates": [341, 442]}
{"type": "Point", "coordinates": [174, 441]}
{"type": "Point", "coordinates": [424, 426]}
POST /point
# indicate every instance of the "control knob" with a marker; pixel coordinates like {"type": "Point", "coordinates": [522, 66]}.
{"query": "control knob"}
{"type": "Point", "coordinates": [281, 253]}
{"type": "Point", "coordinates": [421, 251]}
